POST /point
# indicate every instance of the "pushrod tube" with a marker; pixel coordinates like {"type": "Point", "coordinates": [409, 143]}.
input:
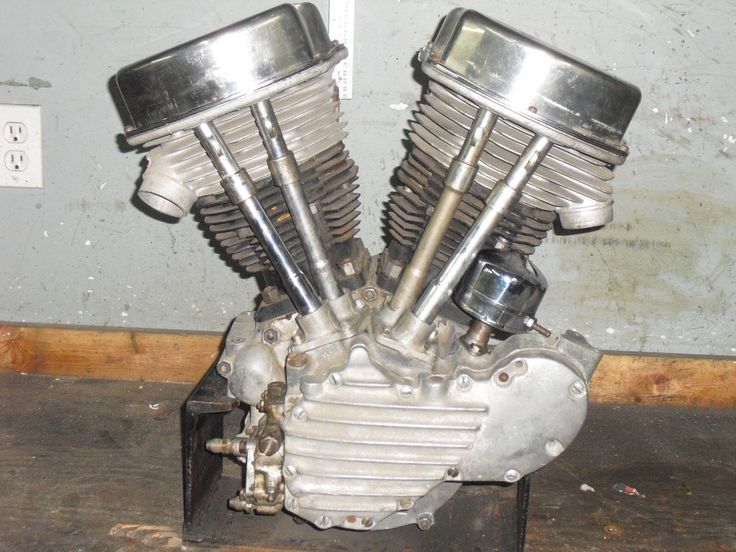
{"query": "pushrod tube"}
{"type": "Point", "coordinates": [285, 172]}
{"type": "Point", "coordinates": [505, 194]}
{"type": "Point", "coordinates": [240, 189]}
{"type": "Point", "coordinates": [458, 179]}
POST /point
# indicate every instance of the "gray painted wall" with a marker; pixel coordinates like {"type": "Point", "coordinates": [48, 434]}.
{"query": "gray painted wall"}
{"type": "Point", "coordinates": [661, 278]}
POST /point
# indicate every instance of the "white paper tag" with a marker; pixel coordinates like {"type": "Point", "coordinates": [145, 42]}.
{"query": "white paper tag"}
{"type": "Point", "coordinates": [342, 29]}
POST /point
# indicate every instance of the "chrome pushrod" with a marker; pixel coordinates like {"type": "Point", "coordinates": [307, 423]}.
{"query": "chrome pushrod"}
{"type": "Point", "coordinates": [240, 189]}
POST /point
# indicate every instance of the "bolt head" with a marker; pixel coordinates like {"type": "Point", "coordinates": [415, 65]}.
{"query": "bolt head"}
{"type": "Point", "coordinates": [270, 336]}
{"type": "Point", "coordinates": [224, 369]}
{"type": "Point", "coordinates": [425, 521]}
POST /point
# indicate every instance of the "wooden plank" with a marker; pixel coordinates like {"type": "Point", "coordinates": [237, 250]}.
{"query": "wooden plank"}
{"type": "Point", "coordinates": [184, 357]}
{"type": "Point", "coordinates": [654, 379]}
{"type": "Point", "coordinates": [96, 465]}
{"type": "Point", "coordinates": [108, 354]}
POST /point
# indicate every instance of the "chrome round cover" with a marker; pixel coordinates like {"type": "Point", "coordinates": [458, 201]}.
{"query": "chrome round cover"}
{"type": "Point", "coordinates": [531, 83]}
{"type": "Point", "coordinates": [226, 65]}
{"type": "Point", "coordinates": [502, 289]}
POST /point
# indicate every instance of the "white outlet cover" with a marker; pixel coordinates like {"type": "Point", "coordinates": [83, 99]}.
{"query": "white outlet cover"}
{"type": "Point", "coordinates": [30, 148]}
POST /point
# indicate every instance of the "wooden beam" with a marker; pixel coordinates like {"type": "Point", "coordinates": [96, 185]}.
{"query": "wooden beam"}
{"type": "Point", "coordinates": [184, 357]}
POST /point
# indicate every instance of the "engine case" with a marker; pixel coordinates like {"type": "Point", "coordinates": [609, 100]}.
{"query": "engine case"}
{"type": "Point", "coordinates": [373, 440]}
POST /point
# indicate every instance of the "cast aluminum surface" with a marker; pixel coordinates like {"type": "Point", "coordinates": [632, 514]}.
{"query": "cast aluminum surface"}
{"type": "Point", "coordinates": [179, 171]}
{"type": "Point", "coordinates": [369, 433]}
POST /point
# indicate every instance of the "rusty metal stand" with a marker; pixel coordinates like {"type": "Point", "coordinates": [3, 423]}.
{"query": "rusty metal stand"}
{"type": "Point", "coordinates": [479, 516]}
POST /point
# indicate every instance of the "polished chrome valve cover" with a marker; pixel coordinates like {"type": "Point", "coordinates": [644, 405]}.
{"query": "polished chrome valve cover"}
{"type": "Point", "coordinates": [376, 386]}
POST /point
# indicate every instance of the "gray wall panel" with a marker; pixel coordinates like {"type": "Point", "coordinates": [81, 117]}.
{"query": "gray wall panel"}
{"type": "Point", "coordinates": [660, 278]}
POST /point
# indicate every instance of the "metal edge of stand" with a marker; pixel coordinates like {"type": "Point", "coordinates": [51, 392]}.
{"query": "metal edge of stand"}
{"type": "Point", "coordinates": [202, 418]}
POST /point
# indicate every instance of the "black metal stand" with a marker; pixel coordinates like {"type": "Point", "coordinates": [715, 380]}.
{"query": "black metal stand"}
{"type": "Point", "coordinates": [479, 516]}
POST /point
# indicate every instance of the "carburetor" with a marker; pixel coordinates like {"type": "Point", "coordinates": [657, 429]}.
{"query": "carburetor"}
{"type": "Point", "coordinates": [377, 385]}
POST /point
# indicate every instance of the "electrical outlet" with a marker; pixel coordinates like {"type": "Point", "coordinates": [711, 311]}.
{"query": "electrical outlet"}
{"type": "Point", "coordinates": [15, 132]}
{"type": "Point", "coordinates": [16, 161]}
{"type": "Point", "coordinates": [21, 146]}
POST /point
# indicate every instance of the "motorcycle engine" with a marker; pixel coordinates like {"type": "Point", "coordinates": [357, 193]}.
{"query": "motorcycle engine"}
{"type": "Point", "coordinates": [377, 385]}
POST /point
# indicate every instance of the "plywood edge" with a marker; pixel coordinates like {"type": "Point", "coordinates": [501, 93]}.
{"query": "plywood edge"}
{"type": "Point", "coordinates": [184, 357]}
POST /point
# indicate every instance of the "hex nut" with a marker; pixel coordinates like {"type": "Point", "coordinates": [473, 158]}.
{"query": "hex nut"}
{"type": "Point", "coordinates": [370, 294]}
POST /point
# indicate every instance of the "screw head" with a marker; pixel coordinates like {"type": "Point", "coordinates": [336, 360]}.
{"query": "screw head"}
{"type": "Point", "coordinates": [367, 521]}
{"type": "Point", "coordinates": [453, 472]}
{"type": "Point", "coordinates": [297, 360]}
{"type": "Point", "coordinates": [406, 503]}
{"type": "Point", "coordinates": [269, 445]}
{"type": "Point", "coordinates": [299, 413]}
{"type": "Point", "coordinates": [425, 521]}
{"type": "Point", "coordinates": [553, 447]}
{"type": "Point", "coordinates": [324, 522]}
{"type": "Point", "coordinates": [511, 476]}
{"type": "Point", "coordinates": [290, 471]}
{"type": "Point", "coordinates": [224, 369]}
{"type": "Point", "coordinates": [578, 389]}
{"type": "Point", "coordinates": [464, 382]}
{"type": "Point", "coordinates": [503, 377]}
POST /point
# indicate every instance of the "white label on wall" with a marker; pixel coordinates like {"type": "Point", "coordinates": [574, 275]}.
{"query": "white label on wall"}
{"type": "Point", "coordinates": [342, 29]}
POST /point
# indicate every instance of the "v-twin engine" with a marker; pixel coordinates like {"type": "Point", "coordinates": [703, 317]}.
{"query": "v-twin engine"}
{"type": "Point", "coordinates": [374, 386]}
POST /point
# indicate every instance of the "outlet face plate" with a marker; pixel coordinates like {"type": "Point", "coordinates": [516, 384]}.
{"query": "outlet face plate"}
{"type": "Point", "coordinates": [20, 146]}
